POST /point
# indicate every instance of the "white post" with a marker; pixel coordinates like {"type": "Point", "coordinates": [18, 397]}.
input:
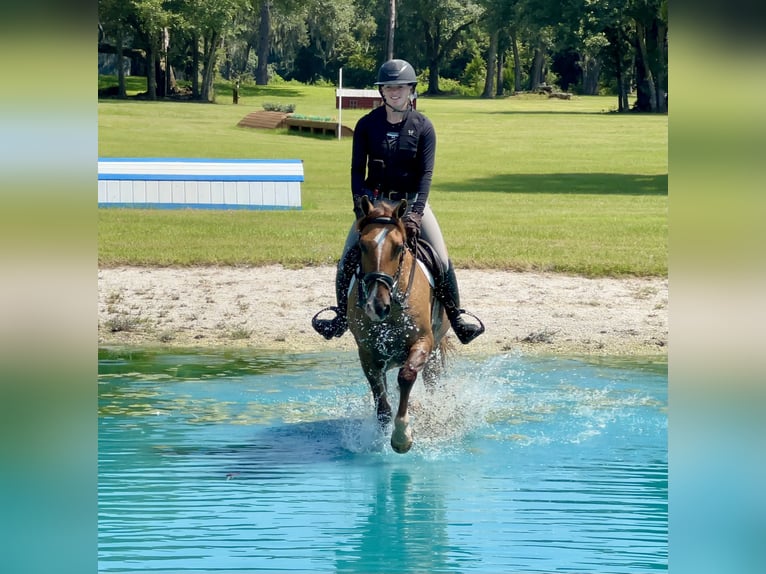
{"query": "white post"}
{"type": "Point", "coordinates": [340, 101]}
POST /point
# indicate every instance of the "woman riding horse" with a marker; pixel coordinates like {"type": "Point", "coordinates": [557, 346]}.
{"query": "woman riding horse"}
{"type": "Point", "coordinates": [392, 158]}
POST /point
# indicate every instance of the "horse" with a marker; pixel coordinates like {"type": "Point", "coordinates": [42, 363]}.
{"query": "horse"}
{"type": "Point", "coordinates": [393, 314]}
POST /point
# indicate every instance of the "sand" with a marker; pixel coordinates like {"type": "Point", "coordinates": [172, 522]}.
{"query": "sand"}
{"type": "Point", "coordinates": [270, 308]}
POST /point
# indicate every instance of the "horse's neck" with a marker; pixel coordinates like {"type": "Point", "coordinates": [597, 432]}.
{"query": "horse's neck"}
{"type": "Point", "coordinates": [409, 271]}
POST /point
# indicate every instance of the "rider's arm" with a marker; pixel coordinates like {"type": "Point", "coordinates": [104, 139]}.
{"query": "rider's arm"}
{"type": "Point", "coordinates": [426, 155]}
{"type": "Point", "coordinates": [359, 151]}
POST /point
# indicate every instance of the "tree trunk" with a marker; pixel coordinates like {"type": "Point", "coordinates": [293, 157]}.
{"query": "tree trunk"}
{"type": "Point", "coordinates": [536, 73]}
{"type": "Point", "coordinates": [391, 29]}
{"type": "Point", "coordinates": [624, 90]}
{"type": "Point", "coordinates": [662, 66]}
{"type": "Point", "coordinates": [208, 92]}
{"type": "Point", "coordinates": [516, 63]}
{"type": "Point", "coordinates": [620, 67]}
{"type": "Point", "coordinates": [121, 91]}
{"type": "Point", "coordinates": [591, 70]}
{"type": "Point", "coordinates": [172, 83]}
{"type": "Point", "coordinates": [500, 70]}
{"type": "Point", "coordinates": [620, 83]}
{"type": "Point", "coordinates": [195, 67]}
{"type": "Point", "coordinates": [245, 59]}
{"type": "Point", "coordinates": [648, 77]}
{"type": "Point", "coordinates": [432, 54]}
{"type": "Point", "coordinates": [433, 77]}
{"type": "Point", "coordinates": [489, 81]}
{"type": "Point", "coordinates": [151, 76]}
{"type": "Point", "coordinates": [264, 45]}
{"type": "Point", "coordinates": [159, 73]}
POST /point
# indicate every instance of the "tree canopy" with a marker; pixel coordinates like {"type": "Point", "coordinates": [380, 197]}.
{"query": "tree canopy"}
{"type": "Point", "coordinates": [484, 48]}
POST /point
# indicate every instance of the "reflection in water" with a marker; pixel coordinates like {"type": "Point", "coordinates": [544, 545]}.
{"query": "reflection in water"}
{"type": "Point", "coordinates": [277, 464]}
{"type": "Point", "coordinates": [405, 529]}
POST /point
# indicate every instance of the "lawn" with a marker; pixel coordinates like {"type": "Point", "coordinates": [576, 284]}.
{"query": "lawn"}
{"type": "Point", "coordinates": [524, 183]}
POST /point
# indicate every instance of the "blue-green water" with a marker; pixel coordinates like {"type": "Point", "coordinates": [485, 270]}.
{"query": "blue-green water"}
{"type": "Point", "coordinates": [274, 463]}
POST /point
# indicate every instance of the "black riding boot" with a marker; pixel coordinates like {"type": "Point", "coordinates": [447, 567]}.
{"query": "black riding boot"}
{"type": "Point", "coordinates": [336, 326]}
{"type": "Point", "coordinates": [449, 296]}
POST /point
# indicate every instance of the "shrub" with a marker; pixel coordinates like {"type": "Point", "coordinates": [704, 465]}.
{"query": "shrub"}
{"type": "Point", "coordinates": [271, 107]}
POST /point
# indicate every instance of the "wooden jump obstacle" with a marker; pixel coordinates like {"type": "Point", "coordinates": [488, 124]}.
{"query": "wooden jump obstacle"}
{"type": "Point", "coordinates": [276, 120]}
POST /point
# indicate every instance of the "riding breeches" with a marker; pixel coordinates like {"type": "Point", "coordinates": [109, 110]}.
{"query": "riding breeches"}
{"type": "Point", "coordinates": [429, 231]}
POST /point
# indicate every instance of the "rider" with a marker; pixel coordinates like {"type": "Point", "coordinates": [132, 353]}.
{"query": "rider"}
{"type": "Point", "coordinates": [392, 158]}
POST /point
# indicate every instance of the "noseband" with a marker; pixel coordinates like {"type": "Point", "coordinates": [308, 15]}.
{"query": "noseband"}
{"type": "Point", "coordinates": [367, 280]}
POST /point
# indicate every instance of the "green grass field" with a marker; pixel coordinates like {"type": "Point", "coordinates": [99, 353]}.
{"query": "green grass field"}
{"type": "Point", "coordinates": [522, 183]}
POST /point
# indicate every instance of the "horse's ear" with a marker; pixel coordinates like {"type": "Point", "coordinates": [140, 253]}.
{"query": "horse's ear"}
{"type": "Point", "coordinates": [365, 204]}
{"type": "Point", "coordinates": [401, 209]}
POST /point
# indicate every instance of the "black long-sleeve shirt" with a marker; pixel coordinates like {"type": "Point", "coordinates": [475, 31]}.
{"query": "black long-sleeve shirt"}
{"type": "Point", "coordinates": [407, 158]}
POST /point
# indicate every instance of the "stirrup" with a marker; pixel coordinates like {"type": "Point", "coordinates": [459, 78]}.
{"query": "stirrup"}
{"type": "Point", "coordinates": [330, 328]}
{"type": "Point", "coordinates": [467, 332]}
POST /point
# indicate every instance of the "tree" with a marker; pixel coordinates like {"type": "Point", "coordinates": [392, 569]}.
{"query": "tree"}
{"type": "Point", "coordinates": [152, 19]}
{"type": "Point", "coordinates": [391, 29]}
{"type": "Point", "coordinates": [220, 21]}
{"type": "Point", "coordinates": [496, 19]}
{"type": "Point", "coordinates": [264, 44]}
{"type": "Point", "coordinates": [114, 23]}
{"type": "Point", "coordinates": [438, 25]}
{"type": "Point", "coordinates": [651, 56]}
{"type": "Point", "coordinates": [619, 45]}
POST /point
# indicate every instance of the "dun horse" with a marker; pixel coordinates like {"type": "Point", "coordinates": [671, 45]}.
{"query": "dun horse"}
{"type": "Point", "coordinates": [393, 314]}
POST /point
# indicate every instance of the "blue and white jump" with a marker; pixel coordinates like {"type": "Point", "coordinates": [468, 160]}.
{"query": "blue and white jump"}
{"type": "Point", "coordinates": [175, 183]}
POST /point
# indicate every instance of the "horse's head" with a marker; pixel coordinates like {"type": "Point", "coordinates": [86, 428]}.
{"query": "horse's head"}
{"type": "Point", "coordinates": [382, 244]}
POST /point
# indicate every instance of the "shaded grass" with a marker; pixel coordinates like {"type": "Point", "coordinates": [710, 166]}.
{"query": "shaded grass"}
{"type": "Point", "coordinates": [520, 183]}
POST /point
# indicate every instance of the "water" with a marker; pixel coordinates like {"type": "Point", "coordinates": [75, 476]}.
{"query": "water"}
{"type": "Point", "coordinates": [223, 462]}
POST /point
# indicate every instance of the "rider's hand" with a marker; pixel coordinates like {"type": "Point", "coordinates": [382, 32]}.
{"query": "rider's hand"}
{"type": "Point", "coordinates": [412, 225]}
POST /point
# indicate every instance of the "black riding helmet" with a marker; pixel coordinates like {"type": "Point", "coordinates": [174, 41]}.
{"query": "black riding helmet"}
{"type": "Point", "coordinates": [396, 72]}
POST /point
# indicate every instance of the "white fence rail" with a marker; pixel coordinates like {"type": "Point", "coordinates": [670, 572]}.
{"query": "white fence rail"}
{"type": "Point", "coordinates": [200, 183]}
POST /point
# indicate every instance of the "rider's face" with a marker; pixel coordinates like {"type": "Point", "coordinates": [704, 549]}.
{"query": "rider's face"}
{"type": "Point", "coordinates": [396, 89]}
{"type": "Point", "coordinates": [396, 95]}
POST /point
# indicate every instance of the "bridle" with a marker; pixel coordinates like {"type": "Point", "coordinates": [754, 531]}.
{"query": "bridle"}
{"type": "Point", "coordinates": [367, 280]}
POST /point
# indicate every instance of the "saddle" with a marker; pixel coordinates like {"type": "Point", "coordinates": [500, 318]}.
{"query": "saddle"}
{"type": "Point", "coordinates": [429, 259]}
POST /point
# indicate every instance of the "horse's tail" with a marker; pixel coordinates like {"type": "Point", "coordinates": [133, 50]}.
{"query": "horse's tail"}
{"type": "Point", "coordinates": [446, 349]}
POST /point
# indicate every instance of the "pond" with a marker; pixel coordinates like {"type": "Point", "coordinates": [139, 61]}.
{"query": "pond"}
{"type": "Point", "coordinates": [264, 462]}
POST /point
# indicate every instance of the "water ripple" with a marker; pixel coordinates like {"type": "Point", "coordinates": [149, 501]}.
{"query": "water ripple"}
{"type": "Point", "coordinates": [519, 465]}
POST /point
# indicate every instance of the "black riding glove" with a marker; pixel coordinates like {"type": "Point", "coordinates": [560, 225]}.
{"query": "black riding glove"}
{"type": "Point", "coordinates": [412, 225]}
{"type": "Point", "coordinates": [357, 208]}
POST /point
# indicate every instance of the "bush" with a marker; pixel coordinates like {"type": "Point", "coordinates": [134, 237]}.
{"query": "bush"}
{"type": "Point", "coordinates": [286, 108]}
{"type": "Point", "coordinates": [474, 75]}
{"type": "Point", "coordinates": [454, 88]}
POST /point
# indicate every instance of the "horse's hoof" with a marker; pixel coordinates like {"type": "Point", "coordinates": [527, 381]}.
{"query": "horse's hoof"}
{"type": "Point", "coordinates": [401, 438]}
{"type": "Point", "coordinates": [401, 448]}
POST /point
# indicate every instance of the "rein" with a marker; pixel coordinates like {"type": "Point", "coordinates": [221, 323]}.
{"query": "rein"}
{"type": "Point", "coordinates": [392, 282]}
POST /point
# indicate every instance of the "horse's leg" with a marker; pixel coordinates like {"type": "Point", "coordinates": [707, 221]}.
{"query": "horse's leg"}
{"type": "Point", "coordinates": [376, 376]}
{"type": "Point", "coordinates": [401, 438]}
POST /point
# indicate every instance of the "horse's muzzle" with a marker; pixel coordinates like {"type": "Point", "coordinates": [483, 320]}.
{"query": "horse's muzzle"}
{"type": "Point", "coordinates": [377, 301]}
